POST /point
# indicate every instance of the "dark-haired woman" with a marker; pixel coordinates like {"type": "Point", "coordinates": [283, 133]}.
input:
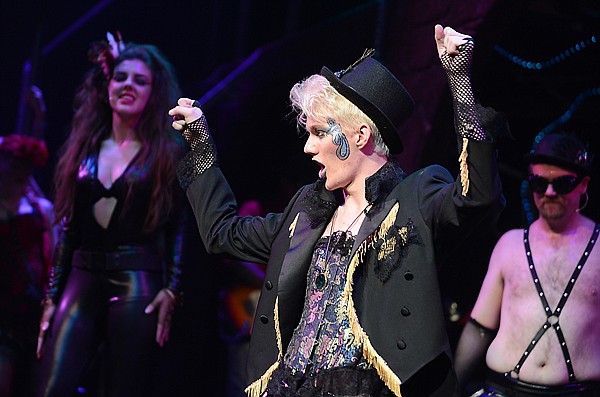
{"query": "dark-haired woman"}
{"type": "Point", "coordinates": [116, 274]}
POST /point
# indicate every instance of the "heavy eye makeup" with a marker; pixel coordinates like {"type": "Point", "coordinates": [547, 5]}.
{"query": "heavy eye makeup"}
{"type": "Point", "coordinates": [320, 133]}
{"type": "Point", "coordinates": [139, 80]}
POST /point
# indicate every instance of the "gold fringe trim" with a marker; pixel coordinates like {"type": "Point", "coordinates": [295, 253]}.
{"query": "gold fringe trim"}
{"type": "Point", "coordinates": [383, 370]}
{"type": "Point", "coordinates": [464, 169]}
{"type": "Point", "coordinates": [388, 222]}
{"type": "Point", "coordinates": [292, 227]}
{"type": "Point", "coordinates": [258, 387]}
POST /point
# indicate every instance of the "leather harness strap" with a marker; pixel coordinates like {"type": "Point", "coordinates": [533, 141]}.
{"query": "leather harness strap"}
{"type": "Point", "coordinates": [552, 316]}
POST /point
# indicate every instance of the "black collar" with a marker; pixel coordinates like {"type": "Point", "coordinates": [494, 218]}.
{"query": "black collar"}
{"type": "Point", "coordinates": [321, 203]}
{"type": "Point", "coordinates": [379, 185]}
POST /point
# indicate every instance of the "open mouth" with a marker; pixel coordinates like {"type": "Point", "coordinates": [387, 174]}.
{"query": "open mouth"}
{"type": "Point", "coordinates": [128, 98]}
{"type": "Point", "coordinates": [322, 169]}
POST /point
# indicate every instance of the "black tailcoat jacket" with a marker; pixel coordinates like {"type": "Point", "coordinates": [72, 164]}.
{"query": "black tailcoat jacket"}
{"type": "Point", "coordinates": [394, 303]}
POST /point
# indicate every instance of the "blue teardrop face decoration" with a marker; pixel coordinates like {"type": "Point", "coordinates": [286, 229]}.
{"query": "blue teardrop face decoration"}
{"type": "Point", "coordinates": [339, 139]}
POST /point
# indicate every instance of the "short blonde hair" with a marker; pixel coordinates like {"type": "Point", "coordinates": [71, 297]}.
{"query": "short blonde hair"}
{"type": "Point", "coordinates": [316, 98]}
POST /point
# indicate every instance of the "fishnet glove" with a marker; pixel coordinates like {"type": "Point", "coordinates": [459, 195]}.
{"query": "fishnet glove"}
{"type": "Point", "coordinates": [466, 118]}
{"type": "Point", "coordinates": [203, 153]}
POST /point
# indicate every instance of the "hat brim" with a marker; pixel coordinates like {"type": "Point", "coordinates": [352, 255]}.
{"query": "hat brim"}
{"type": "Point", "coordinates": [531, 158]}
{"type": "Point", "coordinates": [384, 124]}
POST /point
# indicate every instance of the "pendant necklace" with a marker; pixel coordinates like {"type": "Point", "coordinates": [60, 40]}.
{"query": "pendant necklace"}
{"type": "Point", "coordinates": [320, 280]}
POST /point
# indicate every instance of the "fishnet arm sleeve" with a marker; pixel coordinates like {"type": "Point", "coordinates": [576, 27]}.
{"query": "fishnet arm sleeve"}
{"type": "Point", "coordinates": [467, 117]}
{"type": "Point", "coordinates": [471, 120]}
{"type": "Point", "coordinates": [202, 154]}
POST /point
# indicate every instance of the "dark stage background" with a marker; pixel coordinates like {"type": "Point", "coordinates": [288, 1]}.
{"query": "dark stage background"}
{"type": "Point", "coordinates": [537, 61]}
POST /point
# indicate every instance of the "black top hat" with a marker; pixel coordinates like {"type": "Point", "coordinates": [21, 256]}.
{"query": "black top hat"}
{"type": "Point", "coordinates": [564, 150]}
{"type": "Point", "coordinates": [375, 91]}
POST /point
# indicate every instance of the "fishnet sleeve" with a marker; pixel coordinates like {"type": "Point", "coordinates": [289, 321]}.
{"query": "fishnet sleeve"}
{"type": "Point", "coordinates": [203, 153]}
{"type": "Point", "coordinates": [467, 117]}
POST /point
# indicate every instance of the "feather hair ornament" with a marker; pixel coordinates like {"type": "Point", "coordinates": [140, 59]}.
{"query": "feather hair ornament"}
{"type": "Point", "coordinates": [366, 54]}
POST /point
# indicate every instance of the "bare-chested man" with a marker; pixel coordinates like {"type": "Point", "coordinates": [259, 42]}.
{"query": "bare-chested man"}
{"type": "Point", "coordinates": [541, 291]}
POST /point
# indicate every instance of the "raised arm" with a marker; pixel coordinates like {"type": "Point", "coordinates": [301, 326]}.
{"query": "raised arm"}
{"type": "Point", "coordinates": [473, 123]}
{"type": "Point", "coordinates": [456, 53]}
{"type": "Point", "coordinates": [213, 202]}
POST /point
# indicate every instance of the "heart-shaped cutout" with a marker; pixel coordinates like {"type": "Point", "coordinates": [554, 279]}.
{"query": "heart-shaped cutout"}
{"type": "Point", "coordinates": [103, 210]}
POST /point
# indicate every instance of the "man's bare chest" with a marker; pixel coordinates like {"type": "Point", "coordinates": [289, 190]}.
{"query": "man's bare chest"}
{"type": "Point", "coordinates": [549, 271]}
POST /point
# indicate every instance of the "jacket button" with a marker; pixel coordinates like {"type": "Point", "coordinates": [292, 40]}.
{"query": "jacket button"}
{"type": "Point", "coordinates": [264, 319]}
{"type": "Point", "coordinates": [269, 285]}
{"type": "Point", "coordinates": [405, 311]}
{"type": "Point", "coordinates": [408, 276]}
{"type": "Point", "coordinates": [401, 344]}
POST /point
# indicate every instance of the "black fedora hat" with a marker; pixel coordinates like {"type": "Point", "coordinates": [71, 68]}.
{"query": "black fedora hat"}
{"type": "Point", "coordinates": [378, 93]}
{"type": "Point", "coordinates": [564, 150]}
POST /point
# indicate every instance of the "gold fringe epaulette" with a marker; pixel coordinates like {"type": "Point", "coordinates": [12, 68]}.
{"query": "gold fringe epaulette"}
{"type": "Point", "coordinates": [292, 227]}
{"type": "Point", "coordinates": [464, 169]}
{"type": "Point", "coordinates": [258, 387]}
{"type": "Point", "coordinates": [383, 370]}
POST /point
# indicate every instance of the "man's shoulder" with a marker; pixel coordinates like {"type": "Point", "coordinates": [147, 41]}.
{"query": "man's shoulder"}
{"type": "Point", "coordinates": [512, 236]}
{"type": "Point", "coordinates": [514, 233]}
{"type": "Point", "coordinates": [508, 254]}
{"type": "Point", "coordinates": [590, 223]}
{"type": "Point", "coordinates": [433, 171]}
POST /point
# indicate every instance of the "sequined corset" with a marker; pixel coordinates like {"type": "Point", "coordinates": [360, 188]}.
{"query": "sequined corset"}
{"type": "Point", "coordinates": [323, 338]}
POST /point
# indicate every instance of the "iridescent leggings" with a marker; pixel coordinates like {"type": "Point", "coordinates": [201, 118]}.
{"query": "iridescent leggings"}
{"type": "Point", "coordinates": [96, 307]}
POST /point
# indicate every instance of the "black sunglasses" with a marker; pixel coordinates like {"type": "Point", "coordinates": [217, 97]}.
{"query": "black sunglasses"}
{"type": "Point", "coordinates": [561, 185]}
